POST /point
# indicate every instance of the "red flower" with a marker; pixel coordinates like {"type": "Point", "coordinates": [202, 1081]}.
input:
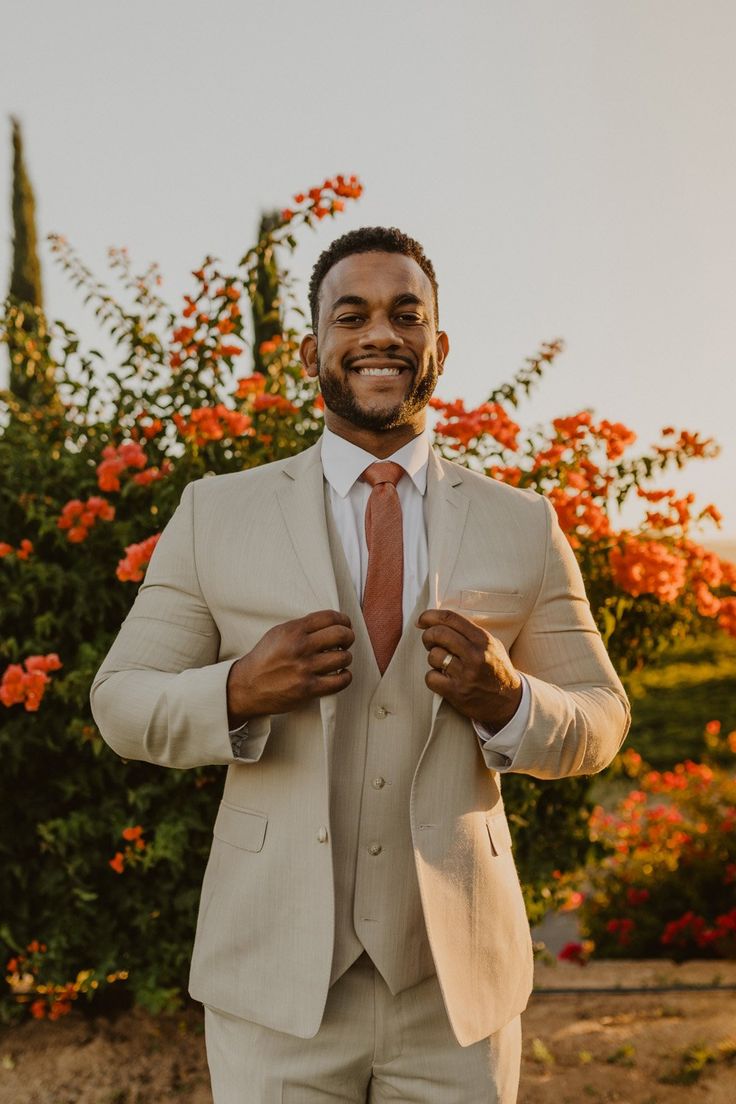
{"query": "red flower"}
{"type": "Point", "coordinates": [574, 952]}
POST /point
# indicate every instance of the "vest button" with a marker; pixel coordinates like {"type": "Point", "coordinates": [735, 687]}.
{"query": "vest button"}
{"type": "Point", "coordinates": [379, 783]}
{"type": "Point", "coordinates": [375, 849]}
{"type": "Point", "coordinates": [322, 834]}
{"type": "Point", "coordinates": [381, 712]}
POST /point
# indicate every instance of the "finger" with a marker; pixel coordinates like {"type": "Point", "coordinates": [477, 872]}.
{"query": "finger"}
{"type": "Point", "coordinates": [437, 683]}
{"type": "Point", "coordinates": [332, 684]}
{"type": "Point", "coordinates": [442, 636]}
{"type": "Point", "coordinates": [322, 619]}
{"type": "Point", "coordinates": [437, 658]}
{"type": "Point", "coordinates": [451, 619]}
{"type": "Point", "coordinates": [330, 638]}
{"type": "Point", "coordinates": [325, 663]}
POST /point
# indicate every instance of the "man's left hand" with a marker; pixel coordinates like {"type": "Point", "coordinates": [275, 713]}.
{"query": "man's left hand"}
{"type": "Point", "coordinates": [479, 679]}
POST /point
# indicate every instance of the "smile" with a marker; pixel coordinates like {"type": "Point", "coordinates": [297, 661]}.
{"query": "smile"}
{"type": "Point", "coordinates": [378, 371]}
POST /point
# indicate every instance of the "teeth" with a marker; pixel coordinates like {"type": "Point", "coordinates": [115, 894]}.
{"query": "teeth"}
{"type": "Point", "coordinates": [379, 371]}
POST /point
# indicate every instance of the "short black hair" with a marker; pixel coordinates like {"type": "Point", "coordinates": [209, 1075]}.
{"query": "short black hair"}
{"type": "Point", "coordinates": [369, 239]}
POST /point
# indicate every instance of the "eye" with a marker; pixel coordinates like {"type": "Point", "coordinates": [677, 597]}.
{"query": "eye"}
{"type": "Point", "coordinates": [409, 317]}
{"type": "Point", "coordinates": [349, 318]}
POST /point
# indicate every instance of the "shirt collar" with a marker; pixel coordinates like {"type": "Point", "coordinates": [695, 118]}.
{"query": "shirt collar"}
{"type": "Point", "coordinates": [343, 462]}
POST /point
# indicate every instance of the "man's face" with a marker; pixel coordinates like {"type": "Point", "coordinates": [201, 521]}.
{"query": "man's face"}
{"type": "Point", "coordinates": [378, 354]}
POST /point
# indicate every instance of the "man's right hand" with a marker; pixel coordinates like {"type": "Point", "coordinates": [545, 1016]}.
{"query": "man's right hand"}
{"type": "Point", "coordinates": [291, 664]}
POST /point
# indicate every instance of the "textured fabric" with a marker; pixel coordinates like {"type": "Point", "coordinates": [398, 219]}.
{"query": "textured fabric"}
{"type": "Point", "coordinates": [381, 722]}
{"type": "Point", "coordinates": [371, 1048]}
{"type": "Point", "coordinates": [384, 584]}
{"type": "Point", "coordinates": [247, 551]}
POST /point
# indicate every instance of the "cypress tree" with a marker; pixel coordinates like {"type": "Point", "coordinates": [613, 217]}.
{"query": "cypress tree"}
{"type": "Point", "coordinates": [266, 310]}
{"type": "Point", "coordinates": [25, 279]}
{"type": "Point", "coordinates": [32, 372]}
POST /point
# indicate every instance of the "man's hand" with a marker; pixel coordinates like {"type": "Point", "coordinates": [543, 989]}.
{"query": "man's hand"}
{"type": "Point", "coordinates": [479, 679]}
{"type": "Point", "coordinates": [292, 663]}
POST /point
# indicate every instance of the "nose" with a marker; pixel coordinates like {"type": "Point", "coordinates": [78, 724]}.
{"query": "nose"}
{"type": "Point", "coordinates": [380, 334]}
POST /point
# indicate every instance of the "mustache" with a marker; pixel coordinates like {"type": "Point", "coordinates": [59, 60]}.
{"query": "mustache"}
{"type": "Point", "coordinates": [352, 362]}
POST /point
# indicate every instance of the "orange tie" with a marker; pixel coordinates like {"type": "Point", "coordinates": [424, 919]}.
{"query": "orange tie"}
{"type": "Point", "coordinates": [384, 584]}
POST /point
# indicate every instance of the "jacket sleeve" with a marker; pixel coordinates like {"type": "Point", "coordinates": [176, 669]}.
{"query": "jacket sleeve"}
{"type": "Point", "coordinates": [579, 713]}
{"type": "Point", "coordinates": [160, 694]}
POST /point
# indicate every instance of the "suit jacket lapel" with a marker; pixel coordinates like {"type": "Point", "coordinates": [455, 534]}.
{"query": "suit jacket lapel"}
{"type": "Point", "coordinates": [302, 501]}
{"type": "Point", "coordinates": [447, 509]}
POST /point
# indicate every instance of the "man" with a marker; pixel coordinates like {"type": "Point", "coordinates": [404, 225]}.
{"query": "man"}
{"type": "Point", "coordinates": [368, 636]}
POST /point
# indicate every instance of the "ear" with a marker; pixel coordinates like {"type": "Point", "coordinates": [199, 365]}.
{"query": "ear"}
{"type": "Point", "coordinates": [443, 348]}
{"type": "Point", "coordinates": [308, 354]}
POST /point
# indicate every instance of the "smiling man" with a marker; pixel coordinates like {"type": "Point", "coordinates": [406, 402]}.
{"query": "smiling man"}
{"type": "Point", "coordinates": [417, 630]}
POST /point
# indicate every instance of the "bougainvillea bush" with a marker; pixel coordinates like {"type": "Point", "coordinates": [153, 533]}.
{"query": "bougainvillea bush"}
{"type": "Point", "coordinates": [663, 880]}
{"type": "Point", "coordinates": [102, 859]}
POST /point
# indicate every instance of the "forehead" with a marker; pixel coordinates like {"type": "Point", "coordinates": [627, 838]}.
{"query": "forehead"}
{"type": "Point", "coordinates": [375, 276]}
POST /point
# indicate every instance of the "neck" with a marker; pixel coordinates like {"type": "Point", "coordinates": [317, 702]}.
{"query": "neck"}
{"type": "Point", "coordinates": [379, 442]}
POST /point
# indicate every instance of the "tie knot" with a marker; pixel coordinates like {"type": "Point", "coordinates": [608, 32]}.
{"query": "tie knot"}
{"type": "Point", "coordinates": [383, 471]}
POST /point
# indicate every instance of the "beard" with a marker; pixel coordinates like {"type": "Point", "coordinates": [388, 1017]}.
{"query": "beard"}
{"type": "Point", "coordinates": [340, 398]}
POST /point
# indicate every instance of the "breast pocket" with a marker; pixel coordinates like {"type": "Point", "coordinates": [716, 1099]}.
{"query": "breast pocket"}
{"type": "Point", "coordinates": [242, 828]}
{"type": "Point", "coordinates": [499, 833]}
{"type": "Point", "coordinates": [491, 601]}
{"type": "Point", "coordinates": [498, 612]}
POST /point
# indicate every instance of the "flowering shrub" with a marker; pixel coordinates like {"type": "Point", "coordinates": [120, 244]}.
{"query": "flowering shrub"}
{"type": "Point", "coordinates": [90, 478]}
{"type": "Point", "coordinates": [664, 882]}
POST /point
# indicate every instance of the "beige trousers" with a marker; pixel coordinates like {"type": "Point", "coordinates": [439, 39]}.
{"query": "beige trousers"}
{"type": "Point", "coordinates": [371, 1048]}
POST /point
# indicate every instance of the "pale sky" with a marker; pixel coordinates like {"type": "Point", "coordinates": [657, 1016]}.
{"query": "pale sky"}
{"type": "Point", "coordinates": [570, 168]}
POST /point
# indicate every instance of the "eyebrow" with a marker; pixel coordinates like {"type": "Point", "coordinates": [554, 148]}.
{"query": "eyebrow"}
{"type": "Point", "coordinates": [358, 301]}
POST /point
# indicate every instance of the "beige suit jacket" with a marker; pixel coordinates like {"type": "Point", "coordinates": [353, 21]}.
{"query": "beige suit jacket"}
{"type": "Point", "coordinates": [247, 551]}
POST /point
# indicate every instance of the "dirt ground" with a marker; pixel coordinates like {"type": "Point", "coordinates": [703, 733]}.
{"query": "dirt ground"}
{"type": "Point", "coordinates": [648, 1048]}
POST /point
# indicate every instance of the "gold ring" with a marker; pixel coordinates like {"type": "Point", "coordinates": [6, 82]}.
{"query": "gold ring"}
{"type": "Point", "coordinates": [447, 661]}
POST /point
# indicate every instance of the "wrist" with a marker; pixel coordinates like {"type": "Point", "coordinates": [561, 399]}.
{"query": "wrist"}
{"type": "Point", "coordinates": [506, 710]}
{"type": "Point", "coordinates": [239, 701]}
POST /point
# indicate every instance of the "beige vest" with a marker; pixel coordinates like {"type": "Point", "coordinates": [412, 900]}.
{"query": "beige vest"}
{"type": "Point", "coordinates": [380, 730]}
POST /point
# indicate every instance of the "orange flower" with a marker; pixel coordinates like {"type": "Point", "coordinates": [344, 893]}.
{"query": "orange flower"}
{"type": "Point", "coordinates": [617, 437]}
{"type": "Point", "coordinates": [466, 425]}
{"type": "Point", "coordinates": [277, 403]}
{"type": "Point", "coordinates": [249, 385]}
{"type": "Point", "coordinates": [27, 687]}
{"type": "Point", "coordinates": [38, 1009]}
{"type": "Point", "coordinates": [118, 863]}
{"type": "Point", "coordinates": [136, 559]}
{"type": "Point", "coordinates": [133, 833]}
{"type": "Point", "coordinates": [117, 460]}
{"type": "Point", "coordinates": [152, 475]}
{"type": "Point", "coordinates": [212, 423]}
{"type": "Point", "coordinates": [22, 552]}
{"type": "Point", "coordinates": [646, 567]}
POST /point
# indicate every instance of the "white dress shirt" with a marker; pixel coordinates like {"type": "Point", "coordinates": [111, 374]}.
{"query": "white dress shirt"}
{"type": "Point", "coordinates": [343, 463]}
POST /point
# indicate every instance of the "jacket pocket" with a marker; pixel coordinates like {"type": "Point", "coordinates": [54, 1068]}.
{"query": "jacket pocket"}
{"type": "Point", "coordinates": [241, 828]}
{"type": "Point", "coordinates": [499, 833]}
{"type": "Point", "coordinates": [491, 601]}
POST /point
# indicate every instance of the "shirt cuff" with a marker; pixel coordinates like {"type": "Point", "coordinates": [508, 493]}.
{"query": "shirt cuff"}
{"type": "Point", "coordinates": [249, 739]}
{"type": "Point", "coordinates": [505, 742]}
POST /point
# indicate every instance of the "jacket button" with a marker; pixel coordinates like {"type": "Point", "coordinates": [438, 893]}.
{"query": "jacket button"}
{"type": "Point", "coordinates": [379, 783]}
{"type": "Point", "coordinates": [381, 712]}
{"type": "Point", "coordinates": [322, 834]}
{"type": "Point", "coordinates": [375, 849]}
